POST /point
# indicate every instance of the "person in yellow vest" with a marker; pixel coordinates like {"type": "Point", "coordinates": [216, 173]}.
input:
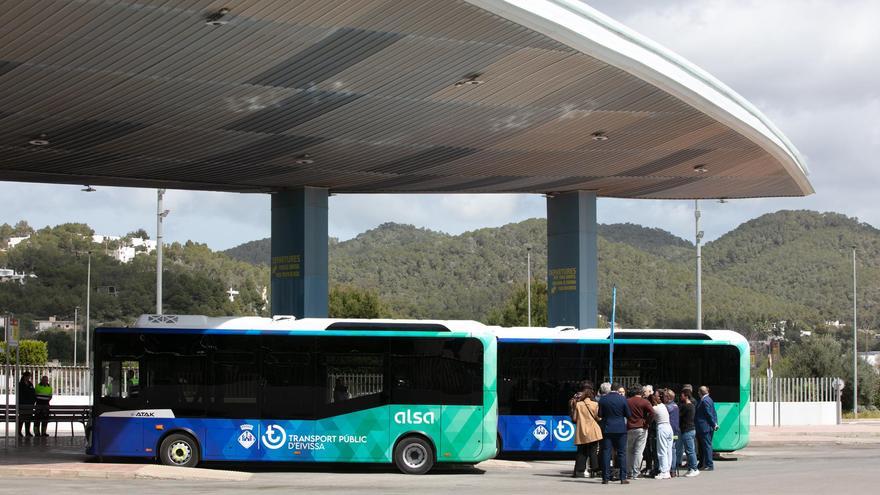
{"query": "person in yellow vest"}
{"type": "Point", "coordinates": [133, 384]}
{"type": "Point", "coordinates": [44, 395]}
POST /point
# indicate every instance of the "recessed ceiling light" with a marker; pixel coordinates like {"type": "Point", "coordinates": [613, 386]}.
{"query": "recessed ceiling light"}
{"type": "Point", "coordinates": [701, 169]}
{"type": "Point", "coordinates": [471, 80]}
{"type": "Point", "coordinates": [41, 140]}
{"type": "Point", "coordinates": [600, 136]}
{"type": "Point", "coordinates": [216, 19]}
{"type": "Point", "coordinates": [305, 159]}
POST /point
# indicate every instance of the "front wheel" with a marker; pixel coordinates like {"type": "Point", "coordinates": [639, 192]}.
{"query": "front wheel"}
{"type": "Point", "coordinates": [179, 449]}
{"type": "Point", "coordinates": [414, 455]}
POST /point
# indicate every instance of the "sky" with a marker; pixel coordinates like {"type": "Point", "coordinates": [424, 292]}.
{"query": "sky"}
{"type": "Point", "coordinates": [812, 66]}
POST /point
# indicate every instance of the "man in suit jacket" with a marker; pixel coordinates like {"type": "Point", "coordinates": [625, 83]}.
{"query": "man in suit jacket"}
{"type": "Point", "coordinates": [706, 422]}
{"type": "Point", "coordinates": [613, 413]}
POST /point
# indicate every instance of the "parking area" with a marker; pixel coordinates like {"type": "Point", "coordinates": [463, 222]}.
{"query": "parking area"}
{"type": "Point", "coordinates": [777, 468]}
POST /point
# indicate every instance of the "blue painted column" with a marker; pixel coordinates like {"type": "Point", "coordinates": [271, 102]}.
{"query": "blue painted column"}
{"type": "Point", "coordinates": [572, 258]}
{"type": "Point", "coordinates": [299, 252]}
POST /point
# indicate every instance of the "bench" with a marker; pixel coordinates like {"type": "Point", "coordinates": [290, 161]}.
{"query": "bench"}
{"type": "Point", "coordinates": [55, 414]}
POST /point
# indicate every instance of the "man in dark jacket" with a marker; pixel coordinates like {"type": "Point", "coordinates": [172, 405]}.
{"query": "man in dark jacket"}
{"type": "Point", "coordinates": [706, 423]}
{"type": "Point", "coordinates": [26, 397]}
{"type": "Point", "coordinates": [613, 414]}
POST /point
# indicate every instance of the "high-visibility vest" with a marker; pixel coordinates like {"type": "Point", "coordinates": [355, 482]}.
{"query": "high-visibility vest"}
{"type": "Point", "coordinates": [44, 392]}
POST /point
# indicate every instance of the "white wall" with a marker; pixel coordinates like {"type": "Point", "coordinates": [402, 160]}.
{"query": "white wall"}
{"type": "Point", "coordinates": [794, 413]}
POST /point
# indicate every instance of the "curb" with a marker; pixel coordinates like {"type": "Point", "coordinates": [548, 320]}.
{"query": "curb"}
{"type": "Point", "coordinates": [122, 472]}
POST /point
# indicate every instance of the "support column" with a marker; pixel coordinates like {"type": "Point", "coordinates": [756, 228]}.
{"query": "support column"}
{"type": "Point", "coordinates": [299, 253]}
{"type": "Point", "coordinates": [572, 257]}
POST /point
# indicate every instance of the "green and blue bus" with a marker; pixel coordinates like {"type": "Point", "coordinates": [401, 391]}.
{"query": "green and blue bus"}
{"type": "Point", "coordinates": [539, 370]}
{"type": "Point", "coordinates": [185, 389]}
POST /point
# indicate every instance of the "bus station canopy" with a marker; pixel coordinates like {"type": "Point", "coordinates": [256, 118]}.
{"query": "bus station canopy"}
{"type": "Point", "coordinates": [361, 96]}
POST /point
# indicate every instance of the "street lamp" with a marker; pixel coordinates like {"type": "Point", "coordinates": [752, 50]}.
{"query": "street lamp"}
{"type": "Point", "coordinates": [75, 320]}
{"type": "Point", "coordinates": [855, 344]}
{"type": "Point", "coordinates": [88, 305]}
{"type": "Point", "coordinates": [699, 237]}
{"type": "Point", "coordinates": [160, 215]}
{"type": "Point", "coordinates": [529, 284]}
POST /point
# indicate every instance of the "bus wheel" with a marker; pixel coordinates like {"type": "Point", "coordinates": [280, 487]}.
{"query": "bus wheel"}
{"type": "Point", "coordinates": [179, 449]}
{"type": "Point", "coordinates": [414, 455]}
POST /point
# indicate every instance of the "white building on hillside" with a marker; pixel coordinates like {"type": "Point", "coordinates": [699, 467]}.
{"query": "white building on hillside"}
{"type": "Point", "coordinates": [10, 275]}
{"type": "Point", "coordinates": [126, 249]}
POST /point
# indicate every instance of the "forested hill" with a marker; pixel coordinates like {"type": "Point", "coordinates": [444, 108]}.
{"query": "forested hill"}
{"type": "Point", "coordinates": [789, 265]}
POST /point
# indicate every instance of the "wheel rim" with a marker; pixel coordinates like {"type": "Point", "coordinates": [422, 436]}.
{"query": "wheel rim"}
{"type": "Point", "coordinates": [179, 452]}
{"type": "Point", "coordinates": [415, 456]}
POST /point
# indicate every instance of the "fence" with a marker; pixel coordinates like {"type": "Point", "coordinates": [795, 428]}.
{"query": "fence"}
{"type": "Point", "coordinates": [65, 380]}
{"type": "Point", "coordinates": [794, 401]}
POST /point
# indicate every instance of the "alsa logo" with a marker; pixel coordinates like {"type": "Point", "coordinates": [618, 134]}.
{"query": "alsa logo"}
{"type": "Point", "coordinates": [414, 418]}
{"type": "Point", "coordinates": [145, 414]}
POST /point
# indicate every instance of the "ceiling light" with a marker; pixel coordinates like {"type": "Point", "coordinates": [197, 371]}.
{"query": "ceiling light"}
{"type": "Point", "coordinates": [88, 188]}
{"type": "Point", "coordinates": [41, 140]}
{"type": "Point", "coordinates": [471, 80]}
{"type": "Point", "coordinates": [216, 19]}
{"type": "Point", "coordinates": [304, 159]}
{"type": "Point", "coordinates": [600, 136]}
{"type": "Point", "coordinates": [701, 169]}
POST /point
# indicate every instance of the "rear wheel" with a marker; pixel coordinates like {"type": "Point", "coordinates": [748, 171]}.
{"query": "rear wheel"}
{"type": "Point", "coordinates": [179, 449]}
{"type": "Point", "coordinates": [414, 455]}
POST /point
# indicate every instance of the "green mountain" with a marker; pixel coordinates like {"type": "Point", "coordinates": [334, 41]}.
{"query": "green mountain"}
{"type": "Point", "coordinates": [789, 265]}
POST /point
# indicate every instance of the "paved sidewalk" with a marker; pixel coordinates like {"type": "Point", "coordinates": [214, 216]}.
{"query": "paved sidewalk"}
{"type": "Point", "coordinates": [849, 433]}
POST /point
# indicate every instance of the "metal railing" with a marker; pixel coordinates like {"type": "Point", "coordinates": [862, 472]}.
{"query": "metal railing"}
{"type": "Point", "coordinates": [793, 389]}
{"type": "Point", "coordinates": [65, 380]}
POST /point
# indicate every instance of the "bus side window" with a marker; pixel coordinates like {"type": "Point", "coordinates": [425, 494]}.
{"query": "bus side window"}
{"type": "Point", "coordinates": [111, 383]}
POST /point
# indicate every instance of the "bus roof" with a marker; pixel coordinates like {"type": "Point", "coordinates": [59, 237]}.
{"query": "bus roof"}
{"type": "Point", "coordinates": [604, 334]}
{"type": "Point", "coordinates": [290, 323]}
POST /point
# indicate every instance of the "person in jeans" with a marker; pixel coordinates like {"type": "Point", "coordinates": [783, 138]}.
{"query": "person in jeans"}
{"type": "Point", "coordinates": [664, 436]}
{"type": "Point", "coordinates": [675, 423]}
{"type": "Point", "coordinates": [688, 433]}
{"type": "Point", "coordinates": [588, 433]}
{"type": "Point", "coordinates": [706, 422]}
{"type": "Point", "coordinates": [614, 413]}
{"type": "Point", "coordinates": [637, 428]}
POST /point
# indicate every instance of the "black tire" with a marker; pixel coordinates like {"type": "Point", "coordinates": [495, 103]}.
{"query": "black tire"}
{"type": "Point", "coordinates": [498, 447]}
{"type": "Point", "coordinates": [414, 455]}
{"type": "Point", "coordinates": [179, 449]}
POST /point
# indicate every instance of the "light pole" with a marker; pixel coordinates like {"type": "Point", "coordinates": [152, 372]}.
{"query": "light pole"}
{"type": "Point", "coordinates": [529, 283]}
{"type": "Point", "coordinates": [855, 344]}
{"type": "Point", "coordinates": [88, 306]}
{"type": "Point", "coordinates": [75, 320]}
{"type": "Point", "coordinates": [699, 237]}
{"type": "Point", "coordinates": [160, 215]}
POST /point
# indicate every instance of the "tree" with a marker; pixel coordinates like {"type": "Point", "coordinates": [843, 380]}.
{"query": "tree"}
{"type": "Point", "coordinates": [514, 312]}
{"type": "Point", "coordinates": [355, 302]}
{"type": "Point", "coordinates": [137, 233]}
{"type": "Point", "coordinates": [30, 352]}
{"type": "Point", "coordinates": [60, 345]}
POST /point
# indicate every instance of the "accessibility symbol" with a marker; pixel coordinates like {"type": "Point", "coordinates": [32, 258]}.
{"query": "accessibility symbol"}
{"type": "Point", "coordinates": [564, 430]}
{"type": "Point", "coordinates": [274, 437]}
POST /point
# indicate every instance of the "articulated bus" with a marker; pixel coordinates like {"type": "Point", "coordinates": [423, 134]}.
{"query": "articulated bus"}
{"type": "Point", "coordinates": [539, 370]}
{"type": "Point", "coordinates": [185, 389]}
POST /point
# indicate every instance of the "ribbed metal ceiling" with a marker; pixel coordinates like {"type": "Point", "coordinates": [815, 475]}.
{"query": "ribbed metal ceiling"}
{"type": "Point", "coordinates": [356, 96]}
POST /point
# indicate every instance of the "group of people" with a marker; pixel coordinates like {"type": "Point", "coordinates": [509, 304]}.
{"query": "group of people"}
{"type": "Point", "coordinates": [642, 424]}
{"type": "Point", "coordinates": [33, 404]}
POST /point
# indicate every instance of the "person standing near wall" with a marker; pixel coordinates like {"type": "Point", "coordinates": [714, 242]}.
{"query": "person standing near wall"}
{"type": "Point", "coordinates": [43, 393]}
{"type": "Point", "coordinates": [26, 398]}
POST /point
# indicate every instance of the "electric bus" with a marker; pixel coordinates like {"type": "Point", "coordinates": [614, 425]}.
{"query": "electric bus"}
{"type": "Point", "coordinates": [186, 389]}
{"type": "Point", "coordinates": [539, 370]}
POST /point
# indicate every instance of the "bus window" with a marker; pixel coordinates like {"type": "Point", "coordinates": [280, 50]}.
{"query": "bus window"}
{"type": "Point", "coordinates": [352, 372]}
{"type": "Point", "coordinates": [111, 379]}
{"type": "Point", "coordinates": [236, 377]}
{"type": "Point", "coordinates": [436, 371]}
{"type": "Point", "coordinates": [289, 376]}
{"type": "Point", "coordinates": [173, 373]}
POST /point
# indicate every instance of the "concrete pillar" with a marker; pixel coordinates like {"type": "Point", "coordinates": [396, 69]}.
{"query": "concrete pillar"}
{"type": "Point", "coordinates": [299, 253]}
{"type": "Point", "coordinates": [572, 256]}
